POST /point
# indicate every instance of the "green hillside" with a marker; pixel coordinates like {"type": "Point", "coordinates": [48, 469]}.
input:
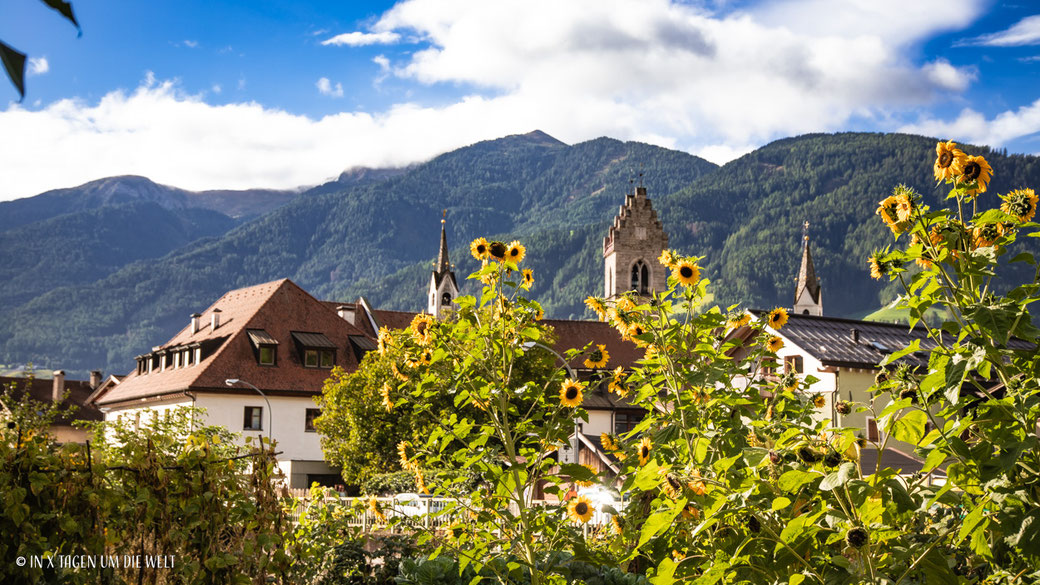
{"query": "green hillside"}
{"type": "Point", "coordinates": [328, 241]}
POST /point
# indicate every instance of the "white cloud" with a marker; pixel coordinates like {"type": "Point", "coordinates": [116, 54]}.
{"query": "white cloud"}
{"type": "Point", "coordinates": [191, 44]}
{"type": "Point", "coordinates": [325, 87]}
{"type": "Point", "coordinates": [972, 126]}
{"type": "Point", "coordinates": [663, 72]}
{"type": "Point", "coordinates": [1023, 32]}
{"type": "Point", "coordinates": [216, 88]}
{"type": "Point", "coordinates": [38, 66]}
{"type": "Point", "coordinates": [360, 39]}
{"type": "Point", "coordinates": [943, 74]}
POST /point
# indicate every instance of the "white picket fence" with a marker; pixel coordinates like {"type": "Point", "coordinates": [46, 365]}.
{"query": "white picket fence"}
{"type": "Point", "coordinates": [425, 512]}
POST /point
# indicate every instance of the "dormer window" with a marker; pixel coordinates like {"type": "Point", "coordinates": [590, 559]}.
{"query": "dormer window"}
{"type": "Point", "coordinates": [316, 350]}
{"type": "Point", "coordinates": [265, 347]}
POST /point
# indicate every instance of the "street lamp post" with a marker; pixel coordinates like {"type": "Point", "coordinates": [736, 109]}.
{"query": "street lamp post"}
{"type": "Point", "coordinates": [270, 413]}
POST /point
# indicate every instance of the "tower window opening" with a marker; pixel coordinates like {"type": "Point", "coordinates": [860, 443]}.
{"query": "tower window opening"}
{"type": "Point", "coordinates": [641, 277]}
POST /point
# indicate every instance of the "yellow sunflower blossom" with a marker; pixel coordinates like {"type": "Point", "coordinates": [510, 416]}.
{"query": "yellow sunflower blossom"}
{"type": "Point", "coordinates": [586, 483]}
{"type": "Point", "coordinates": [947, 159]}
{"type": "Point", "coordinates": [497, 250]}
{"type": "Point", "coordinates": [383, 340]}
{"type": "Point", "coordinates": [667, 258]}
{"type": "Point", "coordinates": [385, 393]}
{"type": "Point", "coordinates": [696, 484]}
{"type": "Point", "coordinates": [515, 252]}
{"type": "Point", "coordinates": [616, 524]}
{"type": "Point", "coordinates": [480, 249]}
{"type": "Point", "coordinates": [774, 343]}
{"type": "Point", "coordinates": [819, 401]}
{"type": "Point", "coordinates": [987, 234]}
{"type": "Point", "coordinates": [1020, 203]}
{"type": "Point", "coordinates": [528, 280]}
{"type": "Point", "coordinates": [777, 318]}
{"type": "Point", "coordinates": [597, 307]}
{"type": "Point", "coordinates": [895, 210]}
{"type": "Point", "coordinates": [421, 325]}
{"type": "Point", "coordinates": [402, 453]}
{"type": "Point", "coordinates": [974, 170]}
{"type": "Point", "coordinates": [580, 509]}
{"type": "Point", "coordinates": [690, 512]}
{"type": "Point", "coordinates": [598, 358]}
{"type": "Point", "coordinates": [739, 320]}
{"type": "Point", "coordinates": [644, 451]}
{"type": "Point", "coordinates": [571, 393]}
{"type": "Point", "coordinates": [608, 442]}
{"type": "Point", "coordinates": [687, 273]}
{"type": "Point", "coordinates": [376, 509]}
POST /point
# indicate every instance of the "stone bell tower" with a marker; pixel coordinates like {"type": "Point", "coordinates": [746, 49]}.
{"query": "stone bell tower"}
{"type": "Point", "coordinates": [443, 288]}
{"type": "Point", "coordinates": [631, 248]}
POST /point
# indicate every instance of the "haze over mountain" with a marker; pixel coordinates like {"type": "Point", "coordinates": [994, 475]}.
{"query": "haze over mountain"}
{"type": "Point", "coordinates": [375, 232]}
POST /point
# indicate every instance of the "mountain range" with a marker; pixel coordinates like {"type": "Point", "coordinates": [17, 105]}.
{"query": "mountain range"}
{"type": "Point", "coordinates": [99, 273]}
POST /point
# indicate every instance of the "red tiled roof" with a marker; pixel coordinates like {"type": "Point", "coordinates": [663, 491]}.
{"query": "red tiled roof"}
{"type": "Point", "coordinates": [394, 319]}
{"type": "Point", "coordinates": [578, 334]}
{"type": "Point", "coordinates": [279, 308]}
{"type": "Point", "coordinates": [42, 390]}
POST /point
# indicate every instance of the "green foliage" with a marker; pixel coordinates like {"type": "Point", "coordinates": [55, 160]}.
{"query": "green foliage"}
{"type": "Point", "coordinates": [159, 489]}
{"type": "Point", "coordinates": [446, 570]}
{"type": "Point", "coordinates": [388, 484]}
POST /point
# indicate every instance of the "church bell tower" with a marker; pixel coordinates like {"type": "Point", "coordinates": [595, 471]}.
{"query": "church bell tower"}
{"type": "Point", "coordinates": [808, 296]}
{"type": "Point", "coordinates": [443, 287]}
{"type": "Point", "coordinates": [631, 248]}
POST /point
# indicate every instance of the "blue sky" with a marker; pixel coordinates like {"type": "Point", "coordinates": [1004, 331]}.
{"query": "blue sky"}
{"type": "Point", "coordinates": [220, 94]}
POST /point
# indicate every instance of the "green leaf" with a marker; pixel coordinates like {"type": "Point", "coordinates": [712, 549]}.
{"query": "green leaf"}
{"type": "Point", "coordinates": [14, 64]}
{"type": "Point", "coordinates": [972, 520]}
{"type": "Point", "coordinates": [909, 428]}
{"type": "Point", "coordinates": [658, 522]}
{"type": "Point", "coordinates": [648, 477]}
{"type": "Point", "coordinates": [838, 478]}
{"type": "Point", "coordinates": [793, 480]}
{"type": "Point", "coordinates": [780, 503]}
{"type": "Point", "coordinates": [796, 579]}
{"type": "Point", "coordinates": [915, 345]}
{"type": "Point", "coordinates": [665, 572]}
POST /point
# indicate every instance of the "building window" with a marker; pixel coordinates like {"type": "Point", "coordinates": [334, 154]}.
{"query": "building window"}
{"type": "Point", "coordinates": [641, 277]}
{"type": "Point", "coordinates": [319, 358]}
{"type": "Point", "coordinates": [626, 421]}
{"type": "Point", "coordinates": [793, 364]}
{"type": "Point", "coordinates": [267, 355]}
{"type": "Point", "coordinates": [253, 419]}
{"type": "Point", "coordinates": [308, 421]}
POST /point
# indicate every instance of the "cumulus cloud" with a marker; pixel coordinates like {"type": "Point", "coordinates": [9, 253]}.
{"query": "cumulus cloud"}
{"type": "Point", "coordinates": [717, 84]}
{"type": "Point", "coordinates": [1023, 32]}
{"type": "Point", "coordinates": [360, 39]}
{"type": "Point", "coordinates": [972, 126]}
{"type": "Point", "coordinates": [191, 44]}
{"type": "Point", "coordinates": [325, 87]}
{"type": "Point", "coordinates": [38, 66]}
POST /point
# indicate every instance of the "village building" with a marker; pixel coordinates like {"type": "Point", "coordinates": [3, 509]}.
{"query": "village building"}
{"type": "Point", "coordinates": [72, 396]}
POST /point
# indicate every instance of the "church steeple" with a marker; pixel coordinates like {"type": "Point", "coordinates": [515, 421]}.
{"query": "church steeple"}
{"type": "Point", "coordinates": [808, 297]}
{"type": "Point", "coordinates": [443, 287]}
{"type": "Point", "coordinates": [631, 249]}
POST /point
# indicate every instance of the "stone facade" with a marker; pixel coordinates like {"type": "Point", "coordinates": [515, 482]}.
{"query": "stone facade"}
{"type": "Point", "coordinates": [631, 248]}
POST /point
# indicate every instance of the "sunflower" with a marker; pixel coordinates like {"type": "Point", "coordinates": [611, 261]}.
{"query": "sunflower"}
{"type": "Point", "coordinates": [616, 524]}
{"type": "Point", "coordinates": [774, 343]}
{"type": "Point", "coordinates": [580, 509]}
{"type": "Point", "coordinates": [690, 512]}
{"type": "Point", "coordinates": [497, 250]}
{"type": "Point", "coordinates": [1020, 203]}
{"type": "Point", "coordinates": [819, 401]}
{"type": "Point", "coordinates": [516, 251]}
{"type": "Point", "coordinates": [383, 340]}
{"type": "Point", "coordinates": [420, 482]}
{"type": "Point", "coordinates": [644, 450]}
{"type": "Point", "coordinates": [617, 382]}
{"type": "Point", "coordinates": [402, 454]}
{"type": "Point", "coordinates": [947, 159]}
{"type": "Point", "coordinates": [421, 324]}
{"type": "Point", "coordinates": [739, 320]}
{"type": "Point", "coordinates": [975, 169]}
{"type": "Point", "coordinates": [597, 307]}
{"type": "Point", "coordinates": [877, 266]}
{"type": "Point", "coordinates": [385, 393]}
{"type": "Point", "coordinates": [987, 233]}
{"type": "Point", "coordinates": [686, 272]}
{"type": "Point", "coordinates": [398, 373]}
{"type": "Point", "coordinates": [570, 393]}
{"type": "Point", "coordinates": [696, 484]}
{"type": "Point", "coordinates": [608, 442]}
{"type": "Point", "coordinates": [597, 358]}
{"type": "Point", "coordinates": [479, 249]}
{"type": "Point", "coordinates": [777, 318]}
{"type": "Point", "coordinates": [528, 281]}
{"type": "Point", "coordinates": [376, 509]}
{"type": "Point", "coordinates": [667, 258]}
{"type": "Point", "coordinates": [895, 209]}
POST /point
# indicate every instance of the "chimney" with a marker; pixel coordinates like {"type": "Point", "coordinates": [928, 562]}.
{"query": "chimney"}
{"type": "Point", "coordinates": [195, 323]}
{"type": "Point", "coordinates": [216, 320]}
{"type": "Point", "coordinates": [855, 335]}
{"type": "Point", "coordinates": [59, 385]}
{"type": "Point", "coordinates": [95, 379]}
{"type": "Point", "coordinates": [348, 313]}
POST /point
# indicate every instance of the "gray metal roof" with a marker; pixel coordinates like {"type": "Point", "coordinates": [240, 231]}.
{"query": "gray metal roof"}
{"type": "Point", "coordinates": [316, 340]}
{"type": "Point", "coordinates": [260, 337]}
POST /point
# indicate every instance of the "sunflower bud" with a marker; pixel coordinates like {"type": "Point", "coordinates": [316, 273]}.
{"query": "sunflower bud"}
{"type": "Point", "coordinates": [857, 537]}
{"type": "Point", "coordinates": [843, 407]}
{"type": "Point", "coordinates": [808, 455]}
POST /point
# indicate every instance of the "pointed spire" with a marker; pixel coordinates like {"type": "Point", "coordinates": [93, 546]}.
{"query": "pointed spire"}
{"type": "Point", "coordinates": [807, 280]}
{"type": "Point", "coordinates": [443, 264]}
